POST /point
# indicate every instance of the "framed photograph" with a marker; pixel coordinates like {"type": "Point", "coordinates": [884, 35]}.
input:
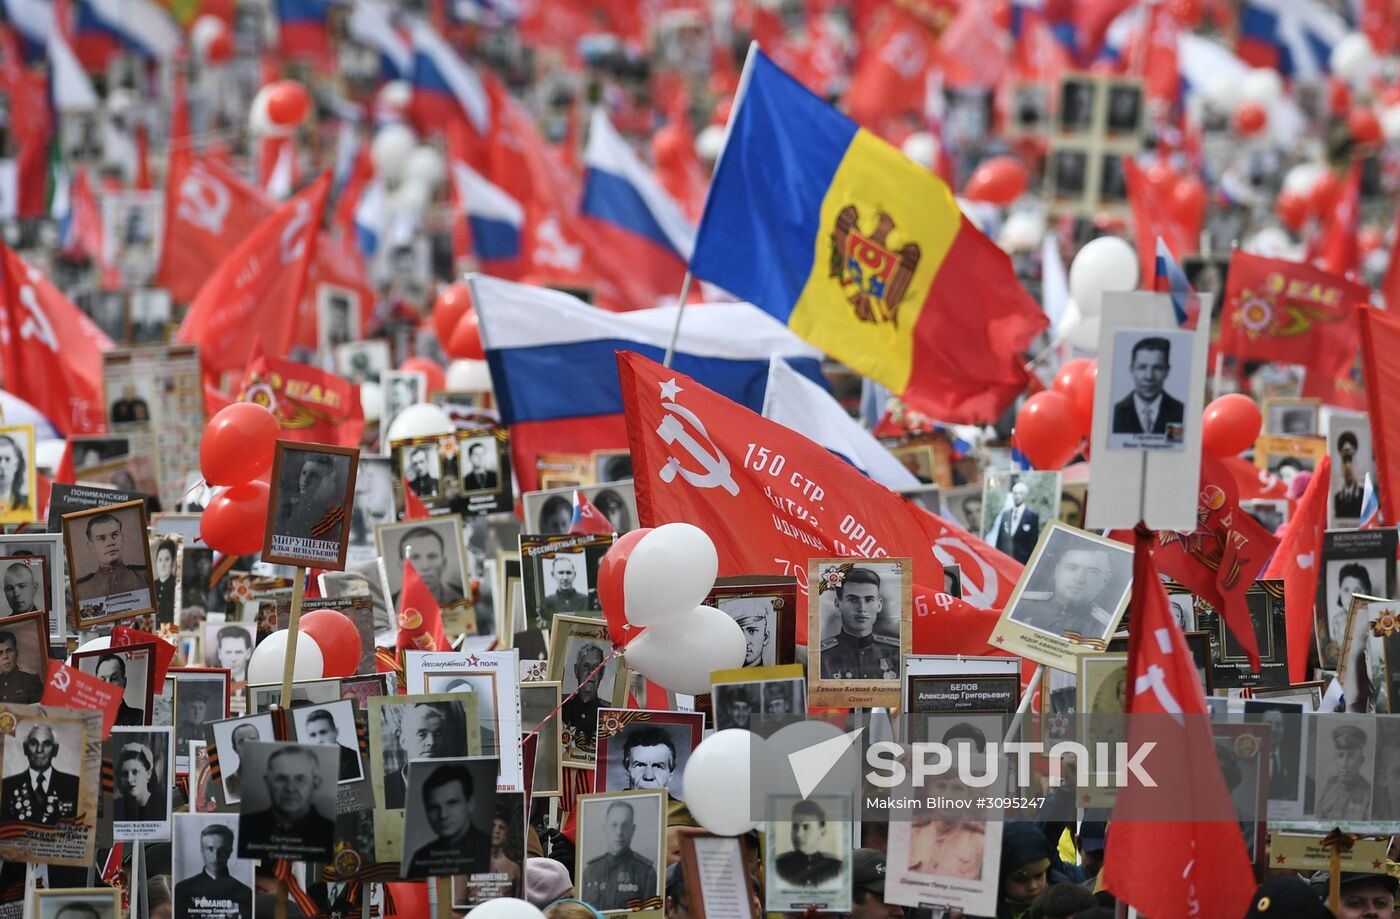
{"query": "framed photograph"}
{"type": "Point", "coordinates": [1125, 109]}
{"type": "Point", "coordinates": [435, 549]}
{"type": "Point", "coordinates": [1271, 513]}
{"type": "Point", "coordinates": [1078, 105]}
{"type": "Point", "coordinates": [313, 489]}
{"type": "Point", "coordinates": [1113, 182]}
{"type": "Point", "coordinates": [262, 696]}
{"type": "Point", "coordinates": [52, 819]}
{"type": "Point", "coordinates": [466, 408]}
{"type": "Point", "coordinates": [1308, 694]}
{"type": "Point", "coordinates": [78, 903]}
{"type": "Point", "coordinates": [1230, 666]}
{"type": "Point", "coordinates": [739, 695]}
{"type": "Point", "coordinates": [201, 697]}
{"type": "Point", "coordinates": [1348, 438]}
{"type": "Point", "coordinates": [1067, 173]}
{"type": "Point", "coordinates": [937, 858]}
{"type": "Point", "coordinates": [492, 676]}
{"type": "Point", "coordinates": [1239, 748]}
{"type": "Point", "coordinates": [1285, 457]}
{"type": "Point", "coordinates": [537, 700]}
{"type": "Point", "coordinates": [49, 547]}
{"type": "Point", "coordinates": [809, 854]}
{"type": "Point", "coordinates": [506, 874]}
{"type": "Point", "coordinates": [1345, 756]}
{"type": "Point", "coordinates": [1151, 379]}
{"type": "Point", "coordinates": [766, 609]}
{"type": "Point", "coordinates": [208, 875]}
{"type": "Point", "coordinates": [17, 474]}
{"type": "Point", "coordinates": [230, 736]}
{"type": "Point", "coordinates": [364, 686]}
{"type": "Point", "coordinates": [963, 505]}
{"type": "Point", "coordinates": [288, 801]}
{"type": "Point", "coordinates": [131, 234]}
{"type": "Point", "coordinates": [560, 575]}
{"type": "Point", "coordinates": [24, 578]}
{"type": "Point", "coordinates": [338, 312]}
{"type": "Point", "coordinates": [1200, 645]}
{"type": "Point", "coordinates": [612, 465]}
{"type": "Point", "coordinates": [919, 460]}
{"type": "Point", "coordinates": [466, 472]}
{"type": "Point", "coordinates": [1074, 497]}
{"type": "Point", "coordinates": [374, 505]}
{"type": "Point", "coordinates": [332, 725]}
{"type": "Point", "coordinates": [109, 563]}
{"type": "Point", "coordinates": [550, 512]}
{"type": "Point", "coordinates": [1353, 562]}
{"type": "Point", "coordinates": [363, 361]}
{"type": "Point", "coordinates": [400, 390]}
{"type": "Point", "coordinates": [155, 396]}
{"type": "Point", "coordinates": [366, 580]}
{"type": "Point", "coordinates": [591, 679]}
{"type": "Point", "coordinates": [621, 849]}
{"type": "Point", "coordinates": [715, 878]}
{"type": "Point", "coordinates": [1361, 663]}
{"type": "Point", "coordinates": [448, 817]}
{"type": "Point", "coordinates": [418, 462]}
{"type": "Point", "coordinates": [1292, 417]}
{"type": "Point", "coordinates": [486, 465]}
{"type": "Point", "coordinates": [148, 316]}
{"type": "Point", "coordinates": [1029, 107]}
{"type": "Point", "coordinates": [131, 667]}
{"type": "Point", "coordinates": [646, 749]}
{"type": "Point", "coordinates": [143, 772]}
{"type": "Point", "coordinates": [168, 553]}
{"type": "Point", "coordinates": [228, 645]}
{"type": "Point", "coordinates": [957, 694]}
{"type": "Point", "coordinates": [24, 658]}
{"type": "Point", "coordinates": [1285, 760]}
{"type": "Point", "coordinates": [1385, 804]}
{"type": "Point", "coordinates": [1016, 505]}
{"type": "Point", "coordinates": [859, 627]}
{"type": "Point", "coordinates": [1070, 598]}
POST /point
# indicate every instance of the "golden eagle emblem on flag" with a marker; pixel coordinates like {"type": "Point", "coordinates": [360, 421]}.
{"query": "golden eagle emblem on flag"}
{"type": "Point", "coordinates": [873, 275]}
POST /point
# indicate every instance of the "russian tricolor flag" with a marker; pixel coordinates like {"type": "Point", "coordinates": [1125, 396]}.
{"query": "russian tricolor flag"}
{"type": "Point", "coordinates": [371, 23]}
{"type": "Point", "coordinates": [445, 88]}
{"type": "Point", "coordinates": [555, 375]}
{"type": "Point", "coordinates": [1295, 37]}
{"type": "Point", "coordinates": [495, 219]}
{"type": "Point", "coordinates": [301, 27]}
{"type": "Point", "coordinates": [632, 213]}
{"type": "Point", "coordinates": [32, 21]}
{"type": "Point", "coordinates": [139, 25]}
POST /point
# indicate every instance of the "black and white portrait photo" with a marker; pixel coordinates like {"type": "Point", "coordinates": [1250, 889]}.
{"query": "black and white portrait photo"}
{"type": "Point", "coordinates": [201, 697]}
{"type": "Point", "coordinates": [78, 903]}
{"type": "Point", "coordinates": [128, 667]}
{"type": "Point", "coordinates": [860, 612]}
{"type": "Point", "coordinates": [229, 645]}
{"type": "Point", "coordinates": [1287, 744]}
{"type": "Point", "coordinates": [1068, 172]}
{"type": "Point", "coordinates": [43, 764]}
{"type": "Point", "coordinates": [24, 655]}
{"type": "Point", "coordinates": [1015, 506]}
{"type": "Point", "coordinates": [759, 622]}
{"type": "Point", "coordinates": [560, 575]}
{"type": "Point", "coordinates": [1344, 766]}
{"type": "Point", "coordinates": [109, 562]}
{"type": "Point", "coordinates": [231, 736]}
{"type": "Point", "coordinates": [810, 854]}
{"type": "Point", "coordinates": [1292, 417]}
{"type": "Point", "coordinates": [337, 316]}
{"type": "Point", "coordinates": [363, 362]}
{"type": "Point", "coordinates": [1349, 443]}
{"type": "Point", "coordinates": [411, 730]}
{"type": "Point", "coordinates": [1113, 182]}
{"type": "Point", "coordinates": [24, 579]}
{"type": "Point", "coordinates": [288, 801]}
{"type": "Point", "coordinates": [1124, 114]}
{"type": "Point", "coordinates": [262, 696]}
{"type": "Point", "coordinates": [167, 553]}
{"type": "Point", "coordinates": [482, 685]}
{"type": "Point", "coordinates": [312, 490]}
{"type": "Point", "coordinates": [621, 838]}
{"type": "Point", "coordinates": [332, 725]}
{"type": "Point", "coordinates": [150, 314]}
{"type": "Point", "coordinates": [142, 772]}
{"type": "Point", "coordinates": [479, 471]}
{"type": "Point", "coordinates": [1151, 370]}
{"type": "Point", "coordinates": [17, 474]}
{"type": "Point", "coordinates": [423, 469]}
{"type": "Point", "coordinates": [1341, 579]}
{"type": "Point", "coordinates": [399, 390]}
{"type": "Point", "coordinates": [1076, 586]}
{"type": "Point", "coordinates": [1077, 98]}
{"type": "Point", "coordinates": [374, 505]}
{"type": "Point", "coordinates": [646, 751]}
{"type": "Point", "coordinates": [589, 674]}
{"type": "Point", "coordinates": [1183, 606]}
{"type": "Point", "coordinates": [211, 881]}
{"type": "Point", "coordinates": [49, 547]}
{"type": "Point", "coordinates": [448, 817]}
{"type": "Point", "coordinates": [736, 704]}
{"type": "Point", "coordinates": [550, 512]}
{"type": "Point", "coordinates": [435, 549]}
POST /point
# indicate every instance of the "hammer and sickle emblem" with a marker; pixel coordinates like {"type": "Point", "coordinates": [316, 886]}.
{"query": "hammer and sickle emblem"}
{"type": "Point", "coordinates": [716, 464]}
{"type": "Point", "coordinates": [61, 680]}
{"type": "Point", "coordinates": [293, 237]}
{"type": "Point", "coordinates": [204, 201]}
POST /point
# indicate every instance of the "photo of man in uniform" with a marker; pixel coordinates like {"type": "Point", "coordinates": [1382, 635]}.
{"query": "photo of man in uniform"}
{"type": "Point", "coordinates": [233, 645]}
{"type": "Point", "coordinates": [752, 615]}
{"type": "Point", "coordinates": [619, 875]}
{"type": "Point", "coordinates": [1149, 409]}
{"type": "Point", "coordinates": [478, 477]}
{"type": "Point", "coordinates": [807, 865]}
{"type": "Point", "coordinates": [944, 846]}
{"type": "Point", "coordinates": [735, 705]}
{"type": "Point", "coordinates": [458, 847]}
{"type": "Point", "coordinates": [40, 793]}
{"type": "Point", "coordinates": [214, 892]}
{"type": "Point", "coordinates": [16, 684]}
{"type": "Point", "coordinates": [566, 597]}
{"type": "Point", "coordinates": [1346, 500]}
{"type": "Point", "coordinates": [1081, 573]}
{"type": "Point", "coordinates": [111, 668]}
{"type": "Point", "coordinates": [319, 490]}
{"type": "Point", "coordinates": [580, 712]}
{"type": "Point", "coordinates": [1345, 795]}
{"type": "Point", "coordinates": [290, 826]}
{"type": "Point", "coordinates": [321, 729]}
{"type": "Point", "coordinates": [21, 585]}
{"type": "Point", "coordinates": [425, 548]}
{"type": "Point", "coordinates": [242, 735]}
{"type": "Point", "coordinates": [1016, 529]}
{"type": "Point", "coordinates": [421, 477]}
{"type": "Point", "coordinates": [858, 652]}
{"type": "Point", "coordinates": [113, 576]}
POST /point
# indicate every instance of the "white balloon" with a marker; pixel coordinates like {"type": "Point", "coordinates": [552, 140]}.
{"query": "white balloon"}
{"type": "Point", "coordinates": [506, 908]}
{"type": "Point", "coordinates": [1273, 242]}
{"type": "Point", "coordinates": [670, 570]}
{"type": "Point", "coordinates": [1085, 334]}
{"type": "Point", "coordinates": [270, 656]}
{"type": "Point", "coordinates": [371, 400]}
{"type": "Point", "coordinates": [48, 453]}
{"type": "Point", "coordinates": [1353, 58]}
{"type": "Point", "coordinates": [922, 147]}
{"type": "Point", "coordinates": [467, 375]}
{"type": "Point", "coordinates": [425, 165]}
{"type": "Point", "coordinates": [1390, 123]}
{"type": "Point", "coordinates": [120, 100]}
{"type": "Point", "coordinates": [681, 652]}
{"type": "Point", "coordinates": [205, 30]}
{"type": "Point", "coordinates": [1104, 264]}
{"type": "Point", "coordinates": [1022, 231]}
{"type": "Point", "coordinates": [396, 94]}
{"type": "Point", "coordinates": [1302, 177]}
{"type": "Point", "coordinates": [717, 779]}
{"type": "Point", "coordinates": [413, 196]}
{"type": "Point", "coordinates": [100, 643]}
{"type": "Point", "coordinates": [1223, 93]}
{"type": "Point", "coordinates": [390, 149]}
{"type": "Point", "coordinates": [709, 142]}
{"type": "Point", "coordinates": [1262, 85]}
{"type": "Point", "coordinates": [421, 420]}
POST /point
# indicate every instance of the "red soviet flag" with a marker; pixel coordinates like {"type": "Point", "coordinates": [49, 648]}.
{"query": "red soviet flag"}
{"type": "Point", "coordinates": [209, 210]}
{"type": "Point", "coordinates": [51, 350]}
{"type": "Point", "coordinates": [587, 518]}
{"type": "Point", "coordinates": [1296, 561]}
{"type": "Point", "coordinates": [413, 506]}
{"type": "Point", "coordinates": [771, 499]}
{"type": "Point", "coordinates": [1188, 867]}
{"type": "Point", "coordinates": [257, 288]}
{"type": "Point", "coordinates": [1283, 311]}
{"type": "Point", "coordinates": [420, 617]}
{"type": "Point", "coordinates": [1380, 342]}
{"type": "Point", "coordinates": [311, 405]}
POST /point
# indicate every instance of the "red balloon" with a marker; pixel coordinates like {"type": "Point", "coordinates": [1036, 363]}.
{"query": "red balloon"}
{"type": "Point", "coordinates": [338, 639]}
{"type": "Point", "coordinates": [1047, 431]}
{"type": "Point", "coordinates": [1363, 126]}
{"type": "Point", "coordinates": [234, 521]}
{"type": "Point", "coordinates": [1081, 396]}
{"type": "Point", "coordinates": [238, 444]}
{"type": "Point", "coordinates": [1188, 202]}
{"type": "Point", "coordinates": [451, 305]}
{"type": "Point", "coordinates": [668, 146]}
{"type": "Point", "coordinates": [1324, 194]}
{"type": "Point", "coordinates": [1068, 373]}
{"type": "Point", "coordinates": [999, 180]}
{"type": "Point", "coordinates": [610, 591]}
{"type": "Point", "coordinates": [466, 339]}
{"type": "Point", "coordinates": [1292, 209]}
{"type": "Point", "coordinates": [437, 380]}
{"type": "Point", "coordinates": [288, 103]}
{"type": "Point", "coordinates": [1231, 425]}
{"type": "Point", "coordinates": [1250, 119]}
{"type": "Point", "coordinates": [1187, 12]}
{"type": "Point", "coordinates": [220, 48]}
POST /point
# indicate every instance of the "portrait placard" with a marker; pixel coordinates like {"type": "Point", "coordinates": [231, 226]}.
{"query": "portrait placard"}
{"type": "Point", "coordinates": [740, 695]}
{"type": "Point", "coordinates": [49, 547]}
{"type": "Point", "coordinates": [228, 737]}
{"type": "Point", "coordinates": [399, 389]}
{"type": "Point", "coordinates": [1016, 506]}
{"type": "Point", "coordinates": [313, 489]}
{"type": "Point", "coordinates": [18, 499]}
{"type": "Point", "coordinates": [168, 555]}
{"type": "Point", "coordinates": [143, 765]}
{"type": "Point", "coordinates": [621, 851]}
{"type": "Point", "coordinates": [560, 575]}
{"type": "Point", "coordinates": [491, 676]}
{"type": "Point", "coordinates": [78, 903]}
{"type": "Point", "coordinates": [646, 749]}
{"type": "Point", "coordinates": [448, 816]}
{"type": "Point", "coordinates": [809, 854]}
{"type": "Point", "coordinates": [859, 627]}
{"type": "Point", "coordinates": [155, 399]}
{"type": "Point", "coordinates": [1292, 417]}
{"type": "Point", "coordinates": [1353, 562]}
{"type": "Point", "coordinates": [55, 820]}
{"type": "Point", "coordinates": [935, 860]}
{"type": "Point", "coordinates": [592, 678]}
{"type": "Point", "coordinates": [23, 578]}
{"type": "Point", "coordinates": [466, 472]}
{"type": "Point", "coordinates": [715, 879]}
{"type": "Point", "coordinates": [435, 549]}
{"type": "Point", "coordinates": [199, 696]}
{"type": "Point", "coordinates": [1230, 666]}
{"type": "Point", "coordinates": [332, 725]}
{"type": "Point", "coordinates": [549, 512]}
{"type": "Point", "coordinates": [766, 609]}
{"type": "Point", "coordinates": [1348, 438]}
{"type": "Point", "coordinates": [133, 667]}
{"type": "Point", "coordinates": [109, 563]}
{"type": "Point", "coordinates": [288, 801]}
{"type": "Point", "coordinates": [211, 882]}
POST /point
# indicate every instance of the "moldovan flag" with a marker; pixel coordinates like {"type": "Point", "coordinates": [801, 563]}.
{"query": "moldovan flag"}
{"type": "Point", "coordinates": [420, 618]}
{"type": "Point", "coordinates": [771, 499]}
{"type": "Point", "coordinates": [1276, 310]}
{"type": "Point", "coordinates": [51, 350]}
{"type": "Point", "coordinates": [256, 291]}
{"type": "Point", "coordinates": [1380, 342]}
{"type": "Point", "coordinates": [1172, 870]}
{"type": "Point", "coordinates": [1296, 562]}
{"type": "Point", "coordinates": [863, 253]}
{"type": "Point", "coordinates": [209, 209]}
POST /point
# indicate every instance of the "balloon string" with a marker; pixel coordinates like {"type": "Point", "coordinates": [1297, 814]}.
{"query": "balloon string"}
{"type": "Point", "coordinates": [581, 683]}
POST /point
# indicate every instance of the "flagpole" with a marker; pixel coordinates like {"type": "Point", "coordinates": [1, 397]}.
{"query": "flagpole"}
{"type": "Point", "coordinates": [676, 329]}
{"type": "Point", "coordinates": [1031, 688]}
